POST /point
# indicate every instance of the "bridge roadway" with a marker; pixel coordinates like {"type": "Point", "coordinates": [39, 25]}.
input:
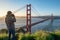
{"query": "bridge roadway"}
{"type": "Point", "coordinates": [35, 23]}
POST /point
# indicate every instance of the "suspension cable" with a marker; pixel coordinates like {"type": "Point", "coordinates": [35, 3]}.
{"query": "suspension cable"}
{"type": "Point", "coordinates": [18, 9]}
{"type": "Point", "coordinates": [35, 10]}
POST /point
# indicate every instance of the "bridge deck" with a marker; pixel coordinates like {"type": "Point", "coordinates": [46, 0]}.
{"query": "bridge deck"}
{"type": "Point", "coordinates": [35, 23]}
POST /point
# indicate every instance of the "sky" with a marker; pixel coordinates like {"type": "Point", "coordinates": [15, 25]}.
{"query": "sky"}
{"type": "Point", "coordinates": [44, 7]}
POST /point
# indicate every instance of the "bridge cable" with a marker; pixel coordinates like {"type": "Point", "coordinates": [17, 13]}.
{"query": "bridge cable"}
{"type": "Point", "coordinates": [35, 13]}
{"type": "Point", "coordinates": [18, 9]}
{"type": "Point", "coordinates": [35, 10]}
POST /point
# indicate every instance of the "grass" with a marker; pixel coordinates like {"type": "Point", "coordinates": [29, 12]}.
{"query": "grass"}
{"type": "Point", "coordinates": [3, 36]}
{"type": "Point", "coordinates": [40, 35]}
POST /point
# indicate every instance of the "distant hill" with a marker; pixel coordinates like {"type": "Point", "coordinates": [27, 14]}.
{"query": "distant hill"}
{"type": "Point", "coordinates": [55, 17]}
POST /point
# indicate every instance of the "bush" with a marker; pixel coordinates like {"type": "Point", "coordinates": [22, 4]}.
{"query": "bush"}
{"type": "Point", "coordinates": [41, 35]}
{"type": "Point", "coordinates": [3, 36]}
{"type": "Point", "coordinates": [26, 37]}
{"type": "Point", "coordinates": [3, 31]}
{"type": "Point", "coordinates": [57, 35]}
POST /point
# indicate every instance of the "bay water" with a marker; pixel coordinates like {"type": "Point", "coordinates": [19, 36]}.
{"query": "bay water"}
{"type": "Point", "coordinates": [22, 21]}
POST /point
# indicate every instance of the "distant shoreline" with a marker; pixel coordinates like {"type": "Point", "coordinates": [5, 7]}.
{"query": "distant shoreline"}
{"type": "Point", "coordinates": [55, 17]}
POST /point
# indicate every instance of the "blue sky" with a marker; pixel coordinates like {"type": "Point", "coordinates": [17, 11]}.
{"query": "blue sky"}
{"type": "Point", "coordinates": [44, 7]}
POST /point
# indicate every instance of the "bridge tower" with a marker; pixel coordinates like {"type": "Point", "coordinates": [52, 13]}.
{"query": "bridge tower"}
{"type": "Point", "coordinates": [28, 18]}
{"type": "Point", "coordinates": [52, 18]}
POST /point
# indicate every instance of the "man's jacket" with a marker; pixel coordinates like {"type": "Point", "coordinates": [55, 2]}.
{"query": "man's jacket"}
{"type": "Point", "coordinates": [10, 19]}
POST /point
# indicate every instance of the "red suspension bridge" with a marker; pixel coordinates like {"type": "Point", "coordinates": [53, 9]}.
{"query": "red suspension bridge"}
{"type": "Point", "coordinates": [29, 23]}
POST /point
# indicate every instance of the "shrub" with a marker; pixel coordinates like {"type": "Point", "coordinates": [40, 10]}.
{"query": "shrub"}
{"type": "Point", "coordinates": [42, 35]}
{"type": "Point", "coordinates": [26, 36]}
{"type": "Point", "coordinates": [3, 36]}
{"type": "Point", "coordinates": [57, 35]}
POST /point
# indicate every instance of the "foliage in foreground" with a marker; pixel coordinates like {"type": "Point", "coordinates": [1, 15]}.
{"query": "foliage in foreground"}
{"type": "Point", "coordinates": [40, 35]}
{"type": "Point", "coordinates": [3, 36]}
{"type": "Point", "coordinates": [37, 36]}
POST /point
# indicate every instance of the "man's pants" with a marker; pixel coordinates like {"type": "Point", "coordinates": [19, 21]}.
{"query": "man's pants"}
{"type": "Point", "coordinates": [12, 32]}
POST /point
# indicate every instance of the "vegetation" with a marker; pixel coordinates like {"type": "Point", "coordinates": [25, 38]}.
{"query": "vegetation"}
{"type": "Point", "coordinates": [3, 36]}
{"type": "Point", "coordinates": [40, 35]}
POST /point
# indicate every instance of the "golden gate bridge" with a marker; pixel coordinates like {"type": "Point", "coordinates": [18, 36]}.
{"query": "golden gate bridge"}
{"type": "Point", "coordinates": [29, 23]}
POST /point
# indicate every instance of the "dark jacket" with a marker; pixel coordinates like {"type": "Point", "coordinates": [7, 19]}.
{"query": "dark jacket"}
{"type": "Point", "coordinates": [9, 20]}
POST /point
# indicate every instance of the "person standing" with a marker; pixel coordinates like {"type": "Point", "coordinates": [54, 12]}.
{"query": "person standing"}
{"type": "Point", "coordinates": [9, 20]}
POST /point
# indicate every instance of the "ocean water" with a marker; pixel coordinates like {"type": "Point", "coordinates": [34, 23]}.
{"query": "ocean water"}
{"type": "Point", "coordinates": [47, 26]}
{"type": "Point", "coordinates": [22, 21]}
{"type": "Point", "coordinates": [19, 22]}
